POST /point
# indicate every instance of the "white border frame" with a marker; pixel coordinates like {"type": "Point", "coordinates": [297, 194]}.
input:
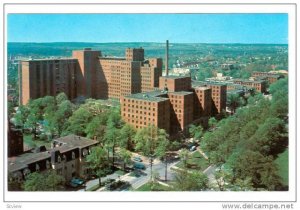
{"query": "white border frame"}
{"type": "Point", "coordinates": [170, 196]}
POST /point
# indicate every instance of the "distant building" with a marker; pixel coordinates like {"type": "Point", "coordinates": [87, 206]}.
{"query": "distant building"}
{"type": "Point", "coordinates": [218, 78]}
{"type": "Point", "coordinates": [181, 71]}
{"type": "Point", "coordinates": [227, 66]}
{"type": "Point", "coordinates": [89, 74]}
{"type": "Point", "coordinates": [67, 158]}
{"type": "Point", "coordinates": [259, 85]}
{"type": "Point", "coordinates": [269, 76]}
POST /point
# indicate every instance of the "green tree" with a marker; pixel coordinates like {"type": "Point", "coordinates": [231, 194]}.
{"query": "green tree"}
{"type": "Point", "coordinates": [95, 128]}
{"type": "Point", "coordinates": [127, 134]}
{"type": "Point", "coordinates": [61, 97]}
{"type": "Point", "coordinates": [184, 156]}
{"type": "Point", "coordinates": [21, 116]}
{"type": "Point", "coordinates": [261, 170]}
{"type": "Point", "coordinates": [54, 181]}
{"type": "Point", "coordinates": [78, 122]}
{"type": "Point", "coordinates": [48, 181]}
{"type": "Point", "coordinates": [112, 138]}
{"type": "Point", "coordinates": [62, 115]}
{"type": "Point", "coordinates": [98, 162]}
{"type": "Point", "coordinates": [196, 131]}
{"type": "Point", "coordinates": [190, 181]}
{"type": "Point", "coordinates": [270, 138]}
{"type": "Point", "coordinates": [212, 123]}
{"type": "Point", "coordinates": [152, 142]}
{"type": "Point", "coordinates": [125, 155]}
{"type": "Point", "coordinates": [234, 101]}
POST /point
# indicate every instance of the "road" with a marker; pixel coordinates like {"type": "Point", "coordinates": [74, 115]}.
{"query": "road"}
{"type": "Point", "coordinates": [158, 167]}
{"type": "Point", "coordinates": [136, 182]}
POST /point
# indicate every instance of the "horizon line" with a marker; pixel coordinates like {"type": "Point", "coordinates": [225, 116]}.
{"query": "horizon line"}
{"type": "Point", "coordinates": [246, 43]}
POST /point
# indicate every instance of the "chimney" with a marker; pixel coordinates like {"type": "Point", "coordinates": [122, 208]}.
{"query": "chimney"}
{"type": "Point", "coordinates": [167, 58]}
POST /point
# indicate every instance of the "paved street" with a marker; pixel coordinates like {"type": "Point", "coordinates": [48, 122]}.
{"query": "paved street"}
{"type": "Point", "coordinates": [136, 182]}
{"type": "Point", "coordinates": [158, 167]}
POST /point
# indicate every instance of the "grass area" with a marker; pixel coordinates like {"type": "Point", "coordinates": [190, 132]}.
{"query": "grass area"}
{"type": "Point", "coordinates": [120, 172]}
{"type": "Point", "coordinates": [195, 162]}
{"type": "Point", "coordinates": [157, 187]}
{"type": "Point", "coordinates": [282, 162]}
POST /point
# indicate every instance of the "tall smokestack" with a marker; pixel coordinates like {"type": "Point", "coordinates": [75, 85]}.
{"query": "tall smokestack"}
{"type": "Point", "coordinates": [167, 58]}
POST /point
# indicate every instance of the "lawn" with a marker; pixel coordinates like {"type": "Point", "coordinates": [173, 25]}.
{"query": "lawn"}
{"type": "Point", "coordinates": [195, 162]}
{"type": "Point", "coordinates": [283, 165]}
{"type": "Point", "coordinates": [158, 187]}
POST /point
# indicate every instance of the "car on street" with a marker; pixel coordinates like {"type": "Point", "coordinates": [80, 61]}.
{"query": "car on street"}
{"type": "Point", "coordinates": [118, 185]}
{"type": "Point", "coordinates": [77, 181]}
{"type": "Point", "coordinates": [192, 148]}
{"type": "Point", "coordinates": [137, 159]}
{"type": "Point", "coordinates": [138, 165]}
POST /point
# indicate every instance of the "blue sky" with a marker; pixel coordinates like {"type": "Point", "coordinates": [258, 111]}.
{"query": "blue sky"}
{"type": "Point", "coordinates": [178, 28]}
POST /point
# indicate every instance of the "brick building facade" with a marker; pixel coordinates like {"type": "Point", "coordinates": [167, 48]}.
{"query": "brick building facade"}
{"type": "Point", "coordinates": [175, 105]}
{"type": "Point", "coordinates": [89, 74]}
{"type": "Point", "coordinates": [259, 85]}
{"type": "Point", "coordinates": [269, 76]}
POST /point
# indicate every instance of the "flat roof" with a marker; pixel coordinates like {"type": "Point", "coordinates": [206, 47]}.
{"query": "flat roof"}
{"type": "Point", "coordinates": [202, 87]}
{"type": "Point", "coordinates": [181, 93]}
{"type": "Point", "coordinates": [246, 80]}
{"type": "Point", "coordinates": [203, 83]}
{"type": "Point", "coordinates": [155, 96]}
{"type": "Point", "coordinates": [47, 59]}
{"type": "Point", "coordinates": [175, 77]}
{"type": "Point", "coordinates": [111, 58]}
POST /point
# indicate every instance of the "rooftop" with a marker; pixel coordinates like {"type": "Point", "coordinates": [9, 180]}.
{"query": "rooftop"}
{"type": "Point", "coordinates": [111, 58]}
{"type": "Point", "coordinates": [246, 80]}
{"type": "Point", "coordinates": [48, 59]}
{"type": "Point", "coordinates": [155, 96]}
{"type": "Point", "coordinates": [205, 83]}
{"type": "Point", "coordinates": [175, 77]}
{"type": "Point", "coordinates": [73, 141]}
{"type": "Point", "coordinates": [63, 144]}
{"type": "Point", "coordinates": [181, 93]}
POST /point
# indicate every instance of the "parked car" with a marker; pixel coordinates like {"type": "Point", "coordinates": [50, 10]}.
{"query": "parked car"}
{"type": "Point", "coordinates": [139, 166]}
{"type": "Point", "coordinates": [138, 159]}
{"type": "Point", "coordinates": [193, 148]}
{"type": "Point", "coordinates": [108, 181]}
{"type": "Point", "coordinates": [118, 185]}
{"type": "Point", "coordinates": [77, 181]}
{"type": "Point", "coordinates": [71, 184]}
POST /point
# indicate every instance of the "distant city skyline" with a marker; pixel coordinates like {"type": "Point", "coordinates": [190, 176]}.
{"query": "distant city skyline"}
{"type": "Point", "coordinates": [179, 28]}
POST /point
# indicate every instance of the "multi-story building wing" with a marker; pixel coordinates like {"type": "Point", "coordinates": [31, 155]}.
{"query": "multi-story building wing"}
{"type": "Point", "coordinates": [258, 85]}
{"type": "Point", "coordinates": [43, 77]}
{"type": "Point", "coordinates": [202, 102]}
{"type": "Point", "coordinates": [89, 74]}
{"type": "Point", "coordinates": [175, 106]}
{"type": "Point", "coordinates": [143, 109]}
{"type": "Point", "coordinates": [218, 95]}
{"type": "Point", "coordinates": [181, 114]}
